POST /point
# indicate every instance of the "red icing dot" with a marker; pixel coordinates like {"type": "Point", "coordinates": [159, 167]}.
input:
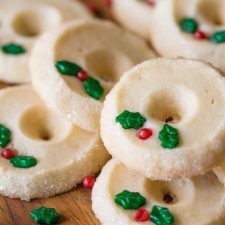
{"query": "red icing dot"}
{"type": "Point", "coordinates": [88, 182]}
{"type": "Point", "coordinates": [200, 35]}
{"type": "Point", "coordinates": [82, 75]}
{"type": "Point", "coordinates": [8, 153]}
{"type": "Point", "coordinates": [145, 133]}
{"type": "Point", "coordinates": [107, 3]}
{"type": "Point", "coordinates": [142, 215]}
{"type": "Point", "coordinates": [150, 2]}
{"type": "Point", "coordinates": [92, 7]}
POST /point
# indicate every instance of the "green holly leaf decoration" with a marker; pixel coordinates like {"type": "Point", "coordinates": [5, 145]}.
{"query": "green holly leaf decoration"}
{"type": "Point", "coordinates": [93, 88]}
{"type": "Point", "coordinates": [161, 216]}
{"type": "Point", "coordinates": [22, 161]}
{"type": "Point", "coordinates": [189, 25]}
{"type": "Point", "coordinates": [169, 137]}
{"type": "Point", "coordinates": [5, 136]}
{"type": "Point", "coordinates": [45, 215]}
{"type": "Point", "coordinates": [13, 49]}
{"type": "Point", "coordinates": [130, 120]}
{"type": "Point", "coordinates": [218, 37]}
{"type": "Point", "coordinates": [130, 200]}
{"type": "Point", "coordinates": [67, 68]}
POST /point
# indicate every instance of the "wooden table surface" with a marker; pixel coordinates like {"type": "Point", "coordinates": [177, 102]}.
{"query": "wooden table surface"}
{"type": "Point", "coordinates": [74, 206]}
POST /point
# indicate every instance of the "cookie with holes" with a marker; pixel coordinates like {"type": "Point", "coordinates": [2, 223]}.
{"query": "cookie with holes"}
{"type": "Point", "coordinates": [75, 66]}
{"type": "Point", "coordinates": [193, 29]}
{"type": "Point", "coordinates": [42, 154]}
{"type": "Point", "coordinates": [22, 22]}
{"type": "Point", "coordinates": [136, 15]}
{"type": "Point", "coordinates": [165, 118]}
{"type": "Point", "coordinates": [130, 198]}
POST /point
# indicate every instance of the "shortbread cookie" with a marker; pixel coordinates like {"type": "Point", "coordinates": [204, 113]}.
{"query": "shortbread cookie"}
{"type": "Point", "coordinates": [196, 201]}
{"type": "Point", "coordinates": [166, 118]}
{"type": "Point", "coordinates": [136, 15]}
{"type": "Point", "coordinates": [52, 155]}
{"type": "Point", "coordinates": [22, 22]}
{"type": "Point", "coordinates": [192, 29]}
{"type": "Point", "coordinates": [61, 58]}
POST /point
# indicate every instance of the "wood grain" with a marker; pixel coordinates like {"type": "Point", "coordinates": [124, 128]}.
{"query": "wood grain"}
{"type": "Point", "coordinates": [74, 206]}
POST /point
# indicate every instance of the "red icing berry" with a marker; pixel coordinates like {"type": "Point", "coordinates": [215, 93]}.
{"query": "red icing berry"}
{"type": "Point", "coordinates": [88, 182]}
{"type": "Point", "coordinates": [92, 7]}
{"type": "Point", "coordinates": [145, 133]}
{"type": "Point", "coordinates": [200, 35]}
{"type": "Point", "coordinates": [150, 2]}
{"type": "Point", "coordinates": [82, 75]}
{"type": "Point", "coordinates": [142, 215]}
{"type": "Point", "coordinates": [8, 153]}
{"type": "Point", "coordinates": [107, 3]}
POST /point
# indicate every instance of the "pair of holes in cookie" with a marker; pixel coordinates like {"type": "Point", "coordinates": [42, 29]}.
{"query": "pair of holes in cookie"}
{"type": "Point", "coordinates": [33, 22]}
{"type": "Point", "coordinates": [42, 124]}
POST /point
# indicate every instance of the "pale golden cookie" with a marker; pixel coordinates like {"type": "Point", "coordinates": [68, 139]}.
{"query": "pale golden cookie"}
{"type": "Point", "coordinates": [64, 153]}
{"type": "Point", "coordinates": [196, 201]}
{"type": "Point", "coordinates": [101, 48]}
{"type": "Point", "coordinates": [190, 29]}
{"type": "Point", "coordinates": [136, 15]}
{"type": "Point", "coordinates": [22, 22]}
{"type": "Point", "coordinates": [181, 103]}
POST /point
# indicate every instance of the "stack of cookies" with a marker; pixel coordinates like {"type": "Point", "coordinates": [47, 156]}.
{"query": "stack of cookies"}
{"type": "Point", "coordinates": [163, 122]}
{"type": "Point", "coordinates": [49, 131]}
{"type": "Point", "coordinates": [98, 90]}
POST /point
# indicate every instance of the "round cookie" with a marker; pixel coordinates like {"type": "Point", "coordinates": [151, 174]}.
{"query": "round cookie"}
{"type": "Point", "coordinates": [22, 22]}
{"type": "Point", "coordinates": [196, 201]}
{"type": "Point", "coordinates": [193, 29]}
{"type": "Point", "coordinates": [165, 118]}
{"type": "Point", "coordinates": [61, 58]}
{"type": "Point", "coordinates": [135, 15]}
{"type": "Point", "coordinates": [53, 155]}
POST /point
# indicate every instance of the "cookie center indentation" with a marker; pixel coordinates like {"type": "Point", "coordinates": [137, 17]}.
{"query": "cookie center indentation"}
{"type": "Point", "coordinates": [31, 23]}
{"type": "Point", "coordinates": [108, 65]}
{"type": "Point", "coordinates": [40, 123]}
{"type": "Point", "coordinates": [213, 11]}
{"type": "Point", "coordinates": [172, 105]}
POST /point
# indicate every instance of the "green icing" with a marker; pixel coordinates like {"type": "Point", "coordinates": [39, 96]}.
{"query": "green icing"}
{"type": "Point", "coordinates": [169, 137]}
{"type": "Point", "coordinates": [218, 37]}
{"type": "Point", "coordinates": [130, 120]}
{"type": "Point", "coordinates": [161, 216]}
{"type": "Point", "coordinates": [93, 88]}
{"type": "Point", "coordinates": [67, 68]}
{"type": "Point", "coordinates": [13, 49]}
{"type": "Point", "coordinates": [189, 25]}
{"type": "Point", "coordinates": [45, 215]}
{"type": "Point", "coordinates": [5, 136]}
{"type": "Point", "coordinates": [23, 161]}
{"type": "Point", "coordinates": [130, 200]}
